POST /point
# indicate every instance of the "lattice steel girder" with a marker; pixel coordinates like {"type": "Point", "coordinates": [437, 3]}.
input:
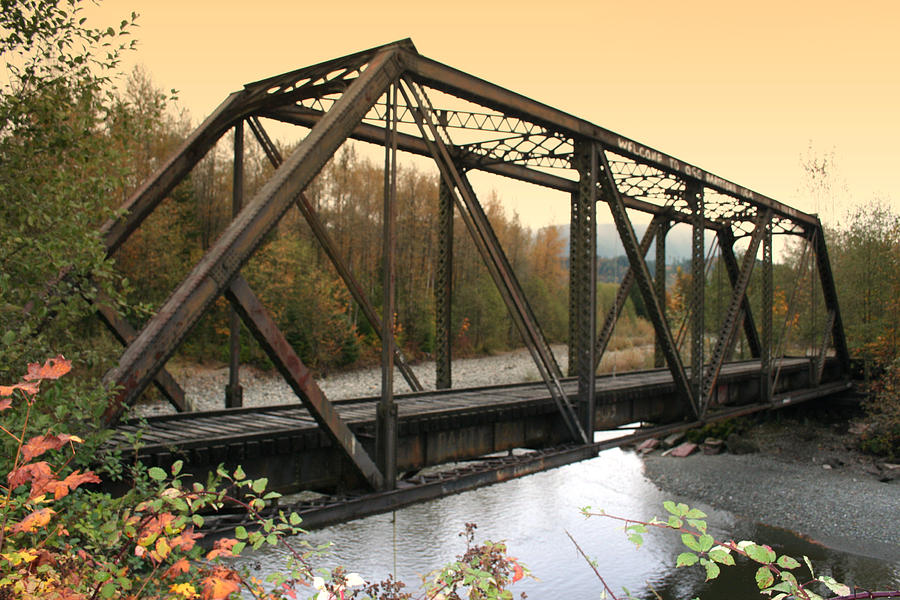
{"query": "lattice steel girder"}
{"type": "Point", "coordinates": [733, 313]}
{"type": "Point", "coordinates": [768, 299]}
{"type": "Point", "coordinates": [234, 393]}
{"type": "Point", "coordinates": [693, 194]}
{"type": "Point", "coordinates": [659, 279]}
{"type": "Point", "coordinates": [279, 350]}
{"type": "Point", "coordinates": [443, 289]}
{"type": "Point", "coordinates": [612, 315]}
{"type": "Point", "coordinates": [494, 258]}
{"type": "Point", "coordinates": [474, 89]}
{"type": "Point", "coordinates": [644, 281]}
{"type": "Point", "coordinates": [583, 281]}
{"type": "Point", "coordinates": [726, 245]}
{"type": "Point", "coordinates": [166, 330]}
{"type": "Point", "coordinates": [320, 232]}
{"type": "Point", "coordinates": [829, 292]}
{"type": "Point", "coordinates": [415, 145]}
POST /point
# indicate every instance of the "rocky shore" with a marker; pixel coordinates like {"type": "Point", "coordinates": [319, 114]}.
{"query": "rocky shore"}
{"type": "Point", "coordinates": [804, 475]}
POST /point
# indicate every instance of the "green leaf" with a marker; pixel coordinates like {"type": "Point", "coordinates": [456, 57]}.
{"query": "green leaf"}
{"type": "Point", "coordinates": [760, 554]}
{"type": "Point", "coordinates": [636, 539]}
{"type": "Point", "coordinates": [786, 562]}
{"type": "Point", "coordinates": [240, 532]}
{"type": "Point", "coordinates": [835, 586]}
{"type": "Point", "coordinates": [721, 556]}
{"type": "Point", "coordinates": [670, 506]}
{"type": "Point", "coordinates": [689, 540]}
{"type": "Point", "coordinates": [712, 570]}
{"type": "Point", "coordinates": [239, 473]}
{"type": "Point", "coordinates": [695, 513]}
{"type": "Point", "coordinates": [238, 547]}
{"type": "Point", "coordinates": [197, 520]}
{"type": "Point", "coordinates": [108, 590]}
{"type": "Point", "coordinates": [698, 525]}
{"type": "Point", "coordinates": [809, 566]}
{"type": "Point", "coordinates": [675, 522]}
{"type": "Point", "coordinates": [706, 542]}
{"type": "Point", "coordinates": [764, 577]}
{"type": "Point", "coordinates": [176, 467]}
{"type": "Point", "coordinates": [686, 559]}
{"type": "Point", "coordinates": [259, 486]}
{"type": "Point", "coordinates": [156, 474]}
{"type": "Point", "coordinates": [295, 519]}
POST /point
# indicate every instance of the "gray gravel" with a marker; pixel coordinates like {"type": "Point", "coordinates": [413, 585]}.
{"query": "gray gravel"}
{"type": "Point", "coordinates": [204, 386]}
{"type": "Point", "coordinates": [843, 509]}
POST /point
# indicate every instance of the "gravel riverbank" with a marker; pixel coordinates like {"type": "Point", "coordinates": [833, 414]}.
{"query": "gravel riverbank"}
{"type": "Point", "coordinates": [804, 478]}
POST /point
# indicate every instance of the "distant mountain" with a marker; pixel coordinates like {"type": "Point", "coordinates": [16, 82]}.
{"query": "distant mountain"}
{"type": "Point", "coordinates": [678, 241]}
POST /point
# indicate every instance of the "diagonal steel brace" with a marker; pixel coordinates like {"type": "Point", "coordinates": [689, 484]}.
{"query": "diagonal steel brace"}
{"type": "Point", "coordinates": [733, 314]}
{"type": "Point", "coordinates": [498, 265]}
{"type": "Point", "coordinates": [276, 346]}
{"type": "Point", "coordinates": [644, 281]}
{"type": "Point", "coordinates": [321, 233]}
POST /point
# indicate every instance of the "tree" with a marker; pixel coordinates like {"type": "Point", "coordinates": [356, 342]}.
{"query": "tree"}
{"type": "Point", "coordinates": [57, 176]}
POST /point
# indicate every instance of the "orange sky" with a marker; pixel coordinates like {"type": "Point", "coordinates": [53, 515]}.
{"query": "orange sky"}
{"type": "Point", "coordinates": [739, 89]}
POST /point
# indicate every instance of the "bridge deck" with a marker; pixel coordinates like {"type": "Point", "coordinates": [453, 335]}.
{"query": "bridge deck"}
{"type": "Point", "coordinates": [187, 430]}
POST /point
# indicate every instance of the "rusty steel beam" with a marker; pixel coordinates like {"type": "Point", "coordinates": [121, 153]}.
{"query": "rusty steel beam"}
{"type": "Point", "coordinates": [645, 282]}
{"type": "Point", "coordinates": [209, 278]}
{"type": "Point", "coordinates": [696, 201]}
{"type": "Point", "coordinates": [659, 280]}
{"type": "Point", "coordinates": [726, 246]}
{"type": "Point", "coordinates": [583, 282]}
{"type": "Point", "coordinates": [468, 87]}
{"type": "Point", "coordinates": [612, 315]}
{"type": "Point", "coordinates": [125, 333]}
{"type": "Point", "coordinates": [147, 197]}
{"type": "Point", "coordinates": [234, 393]}
{"type": "Point", "coordinates": [768, 299]}
{"type": "Point", "coordinates": [733, 313]}
{"type": "Point", "coordinates": [443, 290]}
{"type": "Point", "coordinates": [297, 375]}
{"type": "Point", "coordinates": [321, 234]}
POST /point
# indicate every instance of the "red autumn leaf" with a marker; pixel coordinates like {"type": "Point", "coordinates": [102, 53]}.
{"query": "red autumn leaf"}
{"type": "Point", "coordinates": [30, 387]}
{"type": "Point", "coordinates": [220, 584]}
{"type": "Point", "coordinates": [185, 540]}
{"type": "Point", "coordinates": [38, 473]}
{"type": "Point", "coordinates": [34, 521]}
{"type": "Point", "coordinates": [75, 479]}
{"type": "Point", "coordinates": [178, 567]}
{"type": "Point", "coordinates": [518, 573]}
{"type": "Point", "coordinates": [41, 443]}
{"type": "Point", "coordinates": [5, 403]}
{"type": "Point", "coordinates": [54, 368]}
{"type": "Point", "coordinates": [222, 547]}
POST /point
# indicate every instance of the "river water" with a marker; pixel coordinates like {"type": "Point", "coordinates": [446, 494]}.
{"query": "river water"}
{"type": "Point", "coordinates": [532, 515]}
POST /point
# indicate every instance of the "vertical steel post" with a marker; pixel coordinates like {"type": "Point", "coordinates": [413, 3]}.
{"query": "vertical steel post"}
{"type": "Point", "coordinates": [659, 359]}
{"type": "Point", "coordinates": [443, 289]}
{"type": "Point", "coordinates": [574, 268]}
{"type": "Point", "coordinates": [582, 281]}
{"type": "Point", "coordinates": [234, 393]}
{"type": "Point", "coordinates": [698, 285]}
{"type": "Point", "coordinates": [386, 436]}
{"type": "Point", "coordinates": [768, 299]}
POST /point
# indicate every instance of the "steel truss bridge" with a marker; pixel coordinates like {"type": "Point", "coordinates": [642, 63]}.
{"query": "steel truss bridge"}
{"type": "Point", "coordinates": [393, 96]}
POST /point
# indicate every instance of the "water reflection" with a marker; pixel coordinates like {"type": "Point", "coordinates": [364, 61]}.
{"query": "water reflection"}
{"type": "Point", "coordinates": [532, 515]}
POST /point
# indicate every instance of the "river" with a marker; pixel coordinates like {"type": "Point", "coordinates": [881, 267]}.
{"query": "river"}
{"type": "Point", "coordinates": [532, 515]}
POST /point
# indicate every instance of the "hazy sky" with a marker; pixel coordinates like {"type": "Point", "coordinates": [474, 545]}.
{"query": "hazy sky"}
{"type": "Point", "coordinates": [739, 89]}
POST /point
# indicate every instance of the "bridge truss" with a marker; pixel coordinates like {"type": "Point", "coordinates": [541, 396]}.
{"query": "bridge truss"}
{"type": "Point", "coordinates": [393, 96]}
